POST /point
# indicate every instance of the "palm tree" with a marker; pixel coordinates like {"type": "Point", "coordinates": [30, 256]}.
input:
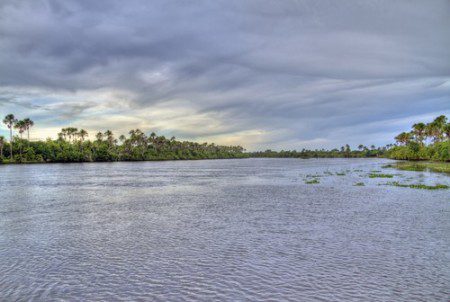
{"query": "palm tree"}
{"type": "Point", "coordinates": [9, 121]}
{"type": "Point", "coordinates": [419, 132]}
{"type": "Point", "coordinates": [435, 130]}
{"type": "Point", "coordinates": [71, 132]}
{"type": "Point", "coordinates": [2, 143]}
{"type": "Point", "coordinates": [21, 126]}
{"type": "Point", "coordinates": [403, 138]}
{"type": "Point", "coordinates": [28, 124]}
{"type": "Point", "coordinates": [446, 129]}
{"type": "Point", "coordinates": [440, 120]}
{"type": "Point", "coordinates": [109, 137]}
{"type": "Point", "coordinates": [99, 136]}
{"type": "Point", "coordinates": [82, 134]}
{"type": "Point", "coordinates": [122, 138]}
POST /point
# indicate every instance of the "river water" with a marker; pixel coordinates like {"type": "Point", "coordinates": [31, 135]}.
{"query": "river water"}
{"type": "Point", "coordinates": [234, 230]}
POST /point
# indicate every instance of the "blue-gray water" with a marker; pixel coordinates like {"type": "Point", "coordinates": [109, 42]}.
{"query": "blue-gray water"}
{"type": "Point", "coordinates": [231, 230]}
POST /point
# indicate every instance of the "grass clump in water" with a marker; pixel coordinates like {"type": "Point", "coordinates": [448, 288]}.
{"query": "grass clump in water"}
{"type": "Point", "coordinates": [419, 186]}
{"type": "Point", "coordinates": [340, 174]}
{"type": "Point", "coordinates": [380, 175]}
{"type": "Point", "coordinates": [359, 184]}
{"type": "Point", "coordinates": [312, 181]}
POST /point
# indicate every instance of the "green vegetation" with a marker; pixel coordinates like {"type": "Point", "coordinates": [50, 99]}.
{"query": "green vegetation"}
{"type": "Point", "coordinates": [312, 181]}
{"type": "Point", "coordinates": [419, 186]}
{"type": "Point", "coordinates": [72, 145]}
{"type": "Point", "coordinates": [424, 142]}
{"type": "Point", "coordinates": [340, 174]}
{"type": "Point", "coordinates": [359, 184]}
{"type": "Point", "coordinates": [343, 152]}
{"type": "Point", "coordinates": [443, 167]}
{"type": "Point", "coordinates": [380, 175]}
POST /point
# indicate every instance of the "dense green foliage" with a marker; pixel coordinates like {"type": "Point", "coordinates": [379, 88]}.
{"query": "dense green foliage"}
{"type": "Point", "coordinates": [380, 175]}
{"type": "Point", "coordinates": [72, 146]}
{"type": "Point", "coordinates": [425, 142]}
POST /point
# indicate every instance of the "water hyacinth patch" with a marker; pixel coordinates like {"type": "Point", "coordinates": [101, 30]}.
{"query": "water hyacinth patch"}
{"type": "Point", "coordinates": [380, 175]}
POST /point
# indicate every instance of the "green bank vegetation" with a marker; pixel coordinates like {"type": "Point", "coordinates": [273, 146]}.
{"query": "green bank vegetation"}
{"type": "Point", "coordinates": [72, 145]}
{"type": "Point", "coordinates": [442, 167]}
{"type": "Point", "coordinates": [424, 142]}
{"type": "Point", "coordinates": [429, 141]}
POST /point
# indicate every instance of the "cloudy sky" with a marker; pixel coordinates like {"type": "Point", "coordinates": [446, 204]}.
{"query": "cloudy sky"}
{"type": "Point", "coordinates": [263, 74]}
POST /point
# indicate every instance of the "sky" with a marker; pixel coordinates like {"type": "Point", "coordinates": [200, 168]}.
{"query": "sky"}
{"type": "Point", "coordinates": [261, 74]}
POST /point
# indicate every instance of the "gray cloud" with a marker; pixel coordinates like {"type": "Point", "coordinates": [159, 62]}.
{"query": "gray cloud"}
{"type": "Point", "coordinates": [279, 74]}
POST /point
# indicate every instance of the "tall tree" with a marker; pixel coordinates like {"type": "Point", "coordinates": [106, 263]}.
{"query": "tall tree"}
{"type": "Point", "coordinates": [10, 121]}
{"type": "Point", "coordinates": [28, 124]}
{"type": "Point", "coordinates": [99, 136]}
{"type": "Point", "coordinates": [419, 132]}
{"type": "Point", "coordinates": [122, 138]}
{"type": "Point", "coordinates": [109, 137]}
{"type": "Point", "coordinates": [447, 131]}
{"type": "Point", "coordinates": [82, 134]}
{"type": "Point", "coordinates": [403, 138]}
{"type": "Point", "coordinates": [71, 133]}
{"type": "Point", "coordinates": [435, 129]}
{"type": "Point", "coordinates": [21, 127]}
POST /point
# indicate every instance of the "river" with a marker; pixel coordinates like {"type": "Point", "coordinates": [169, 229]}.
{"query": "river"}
{"type": "Point", "coordinates": [234, 230]}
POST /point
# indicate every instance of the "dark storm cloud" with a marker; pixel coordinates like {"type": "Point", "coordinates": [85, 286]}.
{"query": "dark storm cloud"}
{"type": "Point", "coordinates": [285, 74]}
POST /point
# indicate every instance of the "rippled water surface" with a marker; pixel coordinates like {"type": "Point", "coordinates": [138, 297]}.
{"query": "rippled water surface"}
{"type": "Point", "coordinates": [233, 230]}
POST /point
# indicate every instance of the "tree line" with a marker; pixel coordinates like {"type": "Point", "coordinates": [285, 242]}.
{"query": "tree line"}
{"type": "Point", "coordinates": [429, 141]}
{"type": "Point", "coordinates": [342, 152]}
{"type": "Point", "coordinates": [73, 145]}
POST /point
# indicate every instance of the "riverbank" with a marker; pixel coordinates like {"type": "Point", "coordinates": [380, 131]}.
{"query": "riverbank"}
{"type": "Point", "coordinates": [440, 167]}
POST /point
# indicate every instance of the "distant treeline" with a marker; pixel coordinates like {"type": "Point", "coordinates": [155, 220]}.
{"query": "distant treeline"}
{"type": "Point", "coordinates": [343, 152]}
{"type": "Point", "coordinates": [424, 142]}
{"type": "Point", "coordinates": [72, 145]}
